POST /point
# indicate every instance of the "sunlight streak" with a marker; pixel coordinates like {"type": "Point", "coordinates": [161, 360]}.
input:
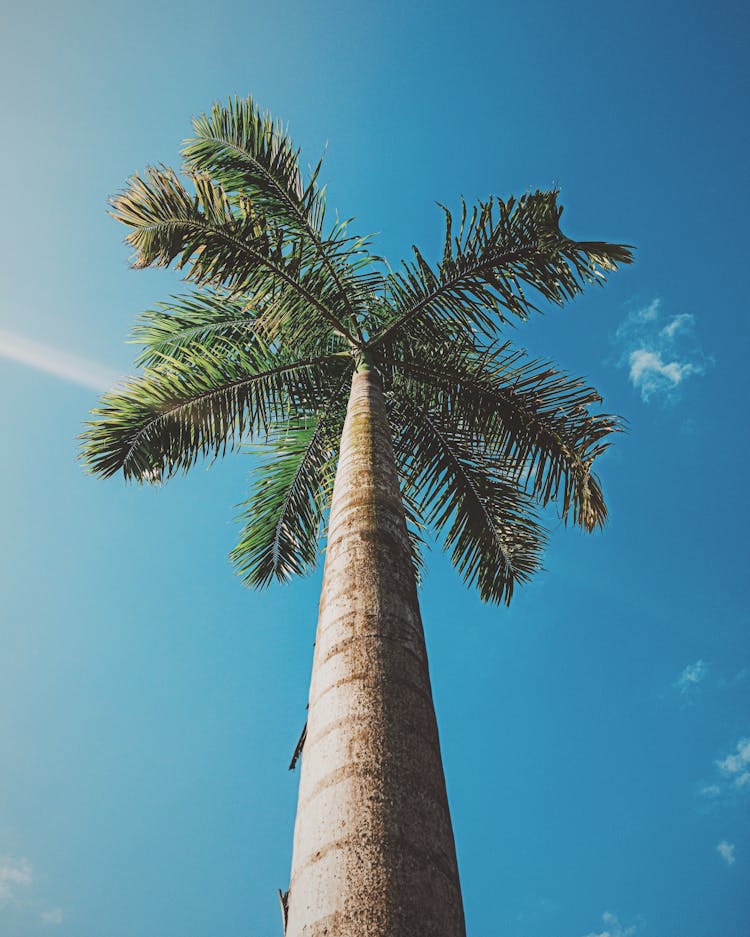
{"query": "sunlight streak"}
{"type": "Point", "coordinates": [54, 361]}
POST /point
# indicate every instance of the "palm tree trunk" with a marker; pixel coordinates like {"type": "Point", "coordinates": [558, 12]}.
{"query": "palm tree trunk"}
{"type": "Point", "coordinates": [373, 844]}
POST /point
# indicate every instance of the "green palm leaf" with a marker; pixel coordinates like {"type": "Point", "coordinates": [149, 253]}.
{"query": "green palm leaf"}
{"type": "Point", "coordinates": [502, 249]}
{"type": "Point", "coordinates": [525, 412]}
{"type": "Point", "coordinates": [250, 154]}
{"type": "Point", "coordinates": [416, 525]}
{"type": "Point", "coordinates": [210, 320]}
{"type": "Point", "coordinates": [221, 246]}
{"type": "Point", "coordinates": [284, 514]}
{"type": "Point", "coordinates": [163, 422]}
{"type": "Point", "coordinates": [486, 522]}
{"type": "Point", "coordinates": [247, 152]}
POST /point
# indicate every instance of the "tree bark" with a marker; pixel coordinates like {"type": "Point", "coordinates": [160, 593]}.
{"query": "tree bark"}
{"type": "Point", "coordinates": [373, 844]}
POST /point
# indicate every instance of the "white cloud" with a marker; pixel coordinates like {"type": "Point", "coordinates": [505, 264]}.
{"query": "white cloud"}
{"type": "Point", "coordinates": [691, 677]}
{"type": "Point", "coordinates": [734, 765]}
{"type": "Point", "coordinates": [650, 374]}
{"type": "Point", "coordinates": [659, 355]}
{"type": "Point", "coordinates": [733, 774]}
{"type": "Point", "coordinates": [613, 928]}
{"type": "Point", "coordinates": [15, 874]}
{"type": "Point", "coordinates": [726, 851]}
{"type": "Point", "coordinates": [676, 323]}
{"type": "Point", "coordinates": [54, 361]}
{"type": "Point", "coordinates": [636, 319]}
{"type": "Point", "coordinates": [53, 916]}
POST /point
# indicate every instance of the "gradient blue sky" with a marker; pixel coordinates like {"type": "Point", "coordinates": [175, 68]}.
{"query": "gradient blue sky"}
{"type": "Point", "coordinates": [595, 734]}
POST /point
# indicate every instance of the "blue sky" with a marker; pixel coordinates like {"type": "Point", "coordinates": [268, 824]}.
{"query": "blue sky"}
{"type": "Point", "coordinates": [595, 734]}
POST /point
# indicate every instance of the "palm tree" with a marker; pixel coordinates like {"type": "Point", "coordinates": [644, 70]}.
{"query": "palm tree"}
{"type": "Point", "coordinates": [387, 403]}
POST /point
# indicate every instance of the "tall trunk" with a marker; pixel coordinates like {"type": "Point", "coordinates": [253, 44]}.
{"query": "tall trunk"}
{"type": "Point", "coordinates": [373, 844]}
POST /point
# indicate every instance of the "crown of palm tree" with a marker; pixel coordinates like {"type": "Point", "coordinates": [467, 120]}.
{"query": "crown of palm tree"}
{"type": "Point", "coordinates": [285, 309]}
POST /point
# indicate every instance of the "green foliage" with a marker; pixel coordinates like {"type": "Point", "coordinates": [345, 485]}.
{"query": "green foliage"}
{"type": "Point", "coordinates": [501, 250]}
{"type": "Point", "coordinates": [285, 308]}
{"type": "Point", "coordinates": [472, 499]}
{"type": "Point", "coordinates": [211, 320]}
{"type": "Point", "coordinates": [522, 412]}
{"type": "Point", "coordinates": [180, 410]}
{"type": "Point", "coordinates": [284, 515]}
{"type": "Point", "coordinates": [250, 154]}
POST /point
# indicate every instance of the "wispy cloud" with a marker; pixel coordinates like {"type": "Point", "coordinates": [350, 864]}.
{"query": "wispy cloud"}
{"type": "Point", "coordinates": [16, 881]}
{"type": "Point", "coordinates": [54, 361]}
{"type": "Point", "coordinates": [728, 682]}
{"type": "Point", "coordinates": [613, 927]}
{"type": "Point", "coordinates": [15, 875]}
{"type": "Point", "coordinates": [726, 851]}
{"type": "Point", "coordinates": [660, 354]}
{"type": "Point", "coordinates": [691, 677]}
{"type": "Point", "coordinates": [732, 775]}
{"type": "Point", "coordinates": [736, 766]}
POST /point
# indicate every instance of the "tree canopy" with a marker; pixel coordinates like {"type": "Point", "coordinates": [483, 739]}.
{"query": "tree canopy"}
{"type": "Point", "coordinates": [285, 306]}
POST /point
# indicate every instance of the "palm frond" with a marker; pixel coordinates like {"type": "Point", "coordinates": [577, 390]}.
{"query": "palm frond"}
{"type": "Point", "coordinates": [284, 515]}
{"type": "Point", "coordinates": [164, 421]}
{"type": "Point", "coordinates": [525, 412]}
{"type": "Point", "coordinates": [209, 319]}
{"type": "Point", "coordinates": [250, 155]}
{"type": "Point", "coordinates": [501, 250]}
{"type": "Point", "coordinates": [416, 525]}
{"type": "Point", "coordinates": [486, 522]}
{"type": "Point", "coordinates": [220, 246]}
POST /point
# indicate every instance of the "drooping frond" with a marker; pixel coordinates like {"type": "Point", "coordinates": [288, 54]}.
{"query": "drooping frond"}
{"type": "Point", "coordinates": [416, 526]}
{"type": "Point", "coordinates": [525, 412]}
{"type": "Point", "coordinates": [164, 421]}
{"type": "Point", "coordinates": [502, 249]}
{"type": "Point", "coordinates": [487, 524]}
{"type": "Point", "coordinates": [222, 246]}
{"type": "Point", "coordinates": [284, 515]}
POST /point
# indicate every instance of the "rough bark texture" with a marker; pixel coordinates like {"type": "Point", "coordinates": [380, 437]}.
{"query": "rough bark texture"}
{"type": "Point", "coordinates": [373, 844]}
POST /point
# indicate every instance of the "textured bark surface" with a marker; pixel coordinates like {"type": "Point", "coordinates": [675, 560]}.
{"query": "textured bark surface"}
{"type": "Point", "coordinates": [373, 844]}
